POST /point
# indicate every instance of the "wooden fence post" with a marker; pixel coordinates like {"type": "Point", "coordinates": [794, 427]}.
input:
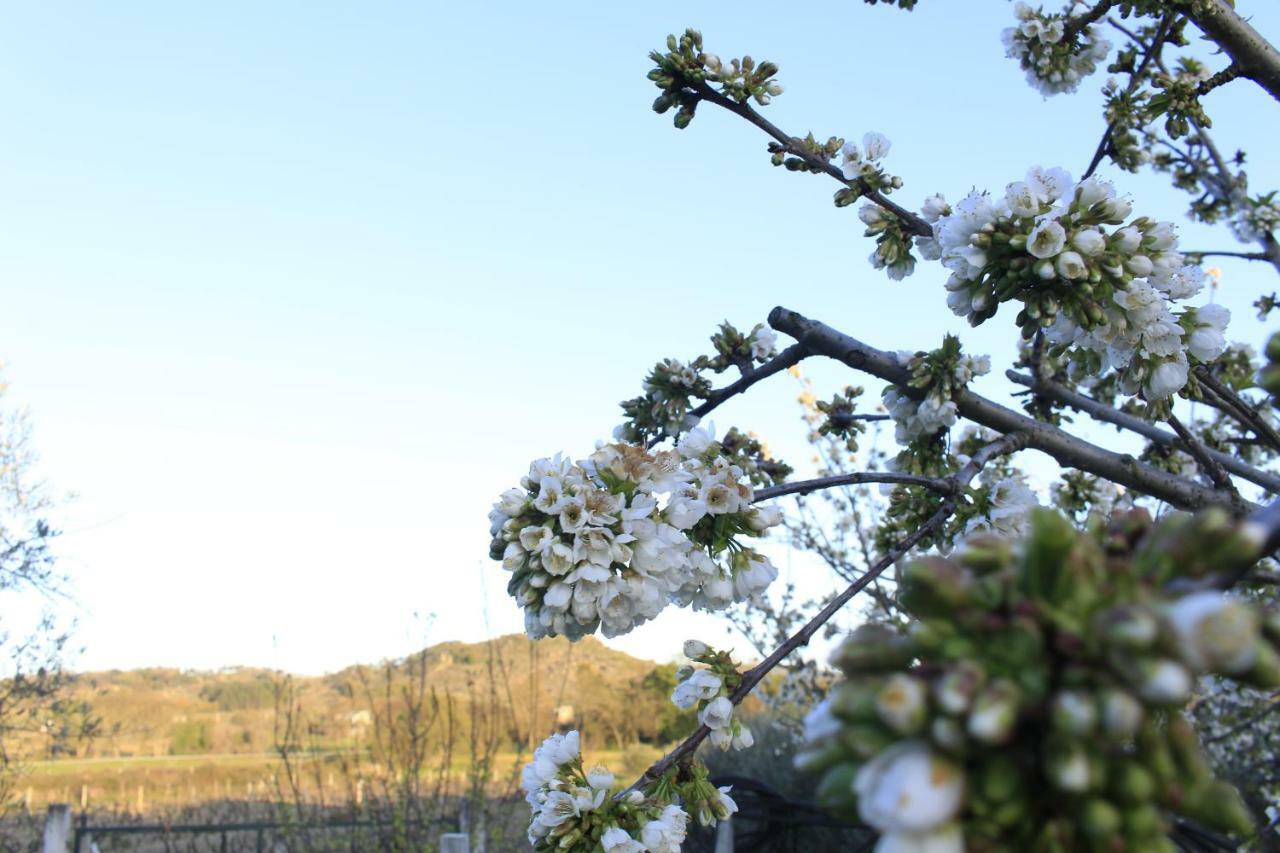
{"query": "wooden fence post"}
{"type": "Point", "coordinates": [57, 829]}
{"type": "Point", "coordinates": [454, 842]}
{"type": "Point", "coordinates": [724, 836]}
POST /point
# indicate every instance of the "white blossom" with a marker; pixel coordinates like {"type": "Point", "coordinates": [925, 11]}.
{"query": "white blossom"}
{"type": "Point", "coordinates": [908, 788]}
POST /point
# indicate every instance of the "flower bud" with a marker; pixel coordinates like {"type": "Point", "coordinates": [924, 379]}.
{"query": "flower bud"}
{"type": "Point", "coordinates": [695, 649]}
{"type": "Point", "coordinates": [954, 689]}
{"type": "Point", "coordinates": [855, 701]}
{"type": "Point", "coordinates": [935, 586]}
{"type": "Point", "coordinates": [1067, 766]}
{"type": "Point", "coordinates": [1163, 682]}
{"type": "Point", "coordinates": [901, 704]}
{"type": "Point", "coordinates": [1100, 820]}
{"type": "Point", "coordinates": [1215, 632]}
{"type": "Point", "coordinates": [1120, 714]}
{"type": "Point", "coordinates": [873, 648]}
{"type": "Point", "coordinates": [1128, 627]}
{"type": "Point", "coordinates": [995, 713]}
{"type": "Point", "coordinates": [1074, 712]}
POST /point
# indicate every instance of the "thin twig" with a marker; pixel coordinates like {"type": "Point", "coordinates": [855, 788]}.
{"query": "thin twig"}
{"type": "Point", "coordinates": [1248, 256]}
{"type": "Point", "coordinates": [789, 357]}
{"type": "Point", "coordinates": [1135, 80]}
{"type": "Point", "coordinates": [1004, 444]}
{"type": "Point", "coordinates": [1078, 23]}
{"type": "Point", "coordinates": [1237, 407]}
{"type": "Point", "coordinates": [941, 485]}
{"type": "Point", "coordinates": [744, 110]}
{"type": "Point", "coordinates": [753, 676]}
{"type": "Point", "coordinates": [1199, 452]}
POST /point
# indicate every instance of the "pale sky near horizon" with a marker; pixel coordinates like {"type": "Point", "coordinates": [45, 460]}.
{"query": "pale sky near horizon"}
{"type": "Point", "coordinates": [293, 291]}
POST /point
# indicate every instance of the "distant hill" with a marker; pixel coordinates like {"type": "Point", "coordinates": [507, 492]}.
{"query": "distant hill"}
{"type": "Point", "coordinates": [529, 687]}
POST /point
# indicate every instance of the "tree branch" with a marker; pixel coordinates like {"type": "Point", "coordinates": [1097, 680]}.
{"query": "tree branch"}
{"type": "Point", "coordinates": [1078, 23]}
{"type": "Point", "coordinates": [1200, 453]}
{"type": "Point", "coordinates": [1004, 444]}
{"type": "Point", "coordinates": [1102, 412]}
{"type": "Point", "coordinates": [1257, 58]}
{"type": "Point", "coordinates": [1248, 256]}
{"type": "Point", "coordinates": [1067, 449]}
{"type": "Point", "coordinates": [1238, 408]}
{"type": "Point", "coordinates": [1135, 79]}
{"type": "Point", "coordinates": [789, 357]}
{"type": "Point", "coordinates": [913, 223]}
{"type": "Point", "coordinates": [941, 485]}
{"type": "Point", "coordinates": [753, 676]}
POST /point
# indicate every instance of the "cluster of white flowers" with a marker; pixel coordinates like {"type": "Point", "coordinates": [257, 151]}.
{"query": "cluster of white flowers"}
{"type": "Point", "coordinates": [572, 807]}
{"type": "Point", "coordinates": [1008, 508]}
{"type": "Point", "coordinates": [1108, 293]}
{"type": "Point", "coordinates": [865, 161]}
{"type": "Point", "coordinates": [1054, 64]}
{"type": "Point", "coordinates": [763, 342]}
{"type": "Point", "coordinates": [914, 418]}
{"type": "Point", "coordinates": [890, 255]}
{"type": "Point", "coordinates": [1255, 218]}
{"type": "Point", "coordinates": [589, 545]}
{"type": "Point", "coordinates": [706, 689]}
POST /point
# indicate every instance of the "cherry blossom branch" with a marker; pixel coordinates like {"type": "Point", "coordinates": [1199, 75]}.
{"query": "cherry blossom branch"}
{"type": "Point", "coordinates": [1221, 78]}
{"type": "Point", "coordinates": [1237, 408]}
{"type": "Point", "coordinates": [789, 357]}
{"type": "Point", "coordinates": [941, 485]}
{"type": "Point", "coordinates": [1135, 80]}
{"type": "Point", "coordinates": [1248, 256]}
{"type": "Point", "coordinates": [753, 676]}
{"type": "Point", "coordinates": [1100, 411]}
{"type": "Point", "coordinates": [1257, 58]}
{"type": "Point", "coordinates": [1078, 23]}
{"type": "Point", "coordinates": [1005, 444]}
{"type": "Point", "coordinates": [1067, 449]}
{"type": "Point", "coordinates": [1200, 453]}
{"type": "Point", "coordinates": [913, 223]}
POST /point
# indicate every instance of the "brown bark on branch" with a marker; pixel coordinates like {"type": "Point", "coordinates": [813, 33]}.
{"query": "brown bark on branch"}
{"type": "Point", "coordinates": [1067, 449]}
{"type": "Point", "coordinates": [1100, 411]}
{"type": "Point", "coordinates": [1257, 58]}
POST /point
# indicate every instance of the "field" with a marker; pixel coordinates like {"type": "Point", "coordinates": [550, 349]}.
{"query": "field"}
{"type": "Point", "coordinates": [143, 784]}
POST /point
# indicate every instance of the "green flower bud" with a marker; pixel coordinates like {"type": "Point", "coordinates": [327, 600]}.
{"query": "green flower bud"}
{"type": "Point", "coordinates": [995, 713]}
{"type": "Point", "coordinates": [1162, 681]}
{"type": "Point", "coordinates": [1130, 782]}
{"type": "Point", "coordinates": [818, 759]}
{"type": "Point", "coordinates": [948, 733]}
{"type": "Point", "coordinates": [1100, 820]}
{"type": "Point", "coordinates": [865, 741]}
{"type": "Point", "coordinates": [1219, 805]}
{"type": "Point", "coordinates": [1074, 712]}
{"type": "Point", "coordinates": [873, 648]}
{"type": "Point", "coordinates": [1215, 632]}
{"type": "Point", "coordinates": [1143, 823]}
{"type": "Point", "coordinates": [1187, 751]}
{"type": "Point", "coordinates": [1067, 766]}
{"type": "Point", "coordinates": [1265, 673]}
{"type": "Point", "coordinates": [855, 701]}
{"type": "Point", "coordinates": [1273, 347]}
{"type": "Point", "coordinates": [984, 553]}
{"type": "Point", "coordinates": [1130, 627]}
{"type": "Point", "coordinates": [999, 780]}
{"type": "Point", "coordinates": [835, 789]}
{"type": "Point", "coordinates": [1120, 714]}
{"type": "Point", "coordinates": [934, 586]}
{"type": "Point", "coordinates": [902, 704]}
{"type": "Point", "coordinates": [954, 689]}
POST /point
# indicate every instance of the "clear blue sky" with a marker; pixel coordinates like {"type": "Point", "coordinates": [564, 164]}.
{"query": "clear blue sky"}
{"type": "Point", "coordinates": [293, 290]}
